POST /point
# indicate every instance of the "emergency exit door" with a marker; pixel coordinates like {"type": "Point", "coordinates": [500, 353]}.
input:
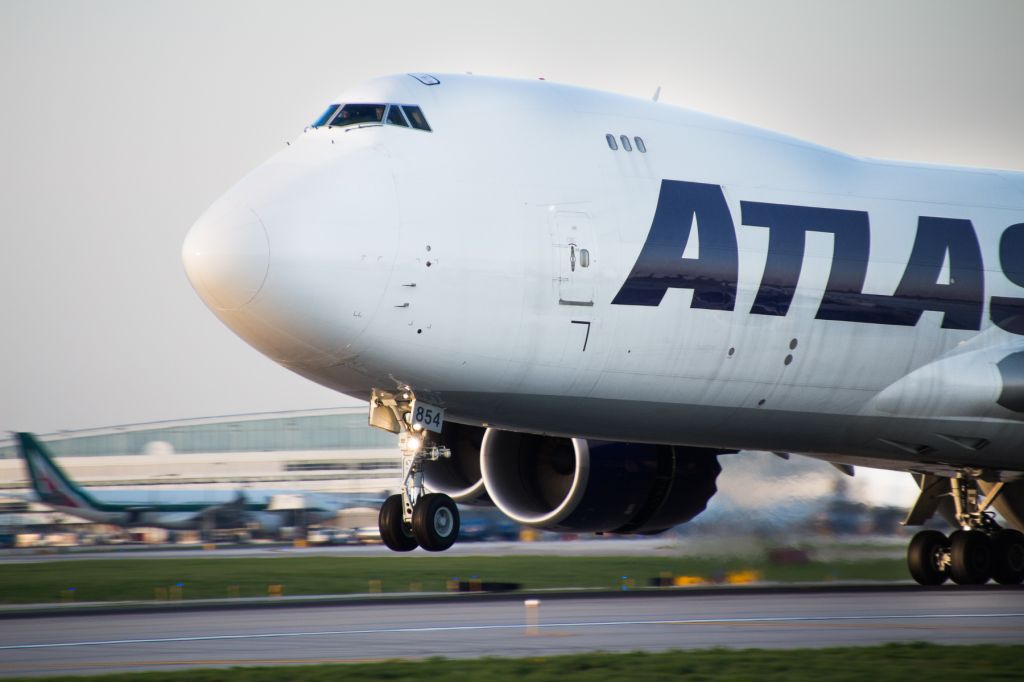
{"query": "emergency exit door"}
{"type": "Point", "coordinates": [572, 239]}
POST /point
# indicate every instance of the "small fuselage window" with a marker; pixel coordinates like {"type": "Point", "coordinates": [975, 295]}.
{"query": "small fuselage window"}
{"type": "Point", "coordinates": [355, 114]}
{"type": "Point", "coordinates": [326, 116]}
{"type": "Point", "coordinates": [613, 144]}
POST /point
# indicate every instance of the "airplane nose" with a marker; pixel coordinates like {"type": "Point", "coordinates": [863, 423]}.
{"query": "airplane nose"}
{"type": "Point", "coordinates": [226, 256]}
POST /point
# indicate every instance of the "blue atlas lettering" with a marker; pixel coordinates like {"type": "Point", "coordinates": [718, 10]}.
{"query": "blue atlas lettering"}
{"type": "Point", "coordinates": [712, 275]}
{"type": "Point", "coordinates": [788, 226]}
{"type": "Point", "coordinates": [1008, 313]}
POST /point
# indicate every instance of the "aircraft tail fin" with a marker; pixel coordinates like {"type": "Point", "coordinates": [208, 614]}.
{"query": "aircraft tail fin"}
{"type": "Point", "coordinates": [50, 483]}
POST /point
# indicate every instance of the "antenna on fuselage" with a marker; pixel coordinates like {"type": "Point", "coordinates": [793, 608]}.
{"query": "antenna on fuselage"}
{"type": "Point", "coordinates": [657, 94]}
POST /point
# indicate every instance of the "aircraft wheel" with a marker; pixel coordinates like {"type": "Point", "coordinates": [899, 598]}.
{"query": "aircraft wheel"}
{"type": "Point", "coordinates": [970, 553]}
{"type": "Point", "coordinates": [395, 532]}
{"type": "Point", "coordinates": [925, 557]}
{"type": "Point", "coordinates": [435, 522]}
{"type": "Point", "coordinates": [1008, 557]}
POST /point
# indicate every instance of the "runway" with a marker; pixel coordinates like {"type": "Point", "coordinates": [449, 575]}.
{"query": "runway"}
{"type": "Point", "coordinates": [474, 627]}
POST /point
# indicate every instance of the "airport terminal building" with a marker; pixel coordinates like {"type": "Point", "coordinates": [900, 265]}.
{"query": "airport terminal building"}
{"type": "Point", "coordinates": [328, 450]}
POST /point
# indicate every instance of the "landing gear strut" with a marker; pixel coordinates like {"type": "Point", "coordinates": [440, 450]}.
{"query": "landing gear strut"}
{"type": "Point", "coordinates": [414, 517]}
{"type": "Point", "coordinates": [979, 551]}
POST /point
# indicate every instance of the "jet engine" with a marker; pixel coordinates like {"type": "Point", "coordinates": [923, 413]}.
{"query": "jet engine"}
{"type": "Point", "coordinates": [457, 476]}
{"type": "Point", "coordinates": [572, 484]}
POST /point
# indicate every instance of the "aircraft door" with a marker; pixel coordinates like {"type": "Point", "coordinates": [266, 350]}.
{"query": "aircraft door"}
{"type": "Point", "coordinates": [573, 241]}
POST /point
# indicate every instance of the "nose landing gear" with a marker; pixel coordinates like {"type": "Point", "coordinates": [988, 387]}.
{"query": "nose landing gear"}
{"type": "Point", "coordinates": [418, 518]}
{"type": "Point", "coordinates": [414, 517]}
{"type": "Point", "coordinates": [434, 527]}
{"type": "Point", "coordinates": [394, 531]}
{"type": "Point", "coordinates": [976, 553]}
{"type": "Point", "coordinates": [435, 522]}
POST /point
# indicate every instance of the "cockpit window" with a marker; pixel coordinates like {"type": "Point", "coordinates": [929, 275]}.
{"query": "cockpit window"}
{"type": "Point", "coordinates": [402, 115]}
{"type": "Point", "coordinates": [416, 118]}
{"type": "Point", "coordinates": [395, 116]}
{"type": "Point", "coordinates": [326, 116]}
{"type": "Point", "coordinates": [354, 114]}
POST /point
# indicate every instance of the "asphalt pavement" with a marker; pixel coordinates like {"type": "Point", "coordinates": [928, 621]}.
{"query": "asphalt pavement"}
{"type": "Point", "coordinates": [786, 618]}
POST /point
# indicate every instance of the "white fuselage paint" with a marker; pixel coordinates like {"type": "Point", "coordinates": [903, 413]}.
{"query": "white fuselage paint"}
{"type": "Point", "coordinates": [387, 257]}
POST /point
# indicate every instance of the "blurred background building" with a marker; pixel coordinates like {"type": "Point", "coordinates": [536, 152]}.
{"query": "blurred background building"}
{"type": "Point", "coordinates": [330, 450]}
{"type": "Point", "coordinates": [284, 454]}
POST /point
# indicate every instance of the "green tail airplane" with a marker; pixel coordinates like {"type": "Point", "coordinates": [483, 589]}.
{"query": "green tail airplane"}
{"type": "Point", "coordinates": [178, 509]}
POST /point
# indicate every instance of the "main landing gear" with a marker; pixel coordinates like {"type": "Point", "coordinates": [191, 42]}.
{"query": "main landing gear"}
{"type": "Point", "coordinates": [980, 551]}
{"type": "Point", "coordinates": [414, 518]}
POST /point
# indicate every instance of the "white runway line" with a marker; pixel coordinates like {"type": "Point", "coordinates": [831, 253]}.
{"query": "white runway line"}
{"type": "Point", "coordinates": [516, 626]}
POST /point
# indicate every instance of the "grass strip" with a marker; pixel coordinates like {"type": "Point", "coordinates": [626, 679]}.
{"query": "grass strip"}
{"type": "Point", "coordinates": [186, 578]}
{"type": "Point", "coordinates": [913, 661]}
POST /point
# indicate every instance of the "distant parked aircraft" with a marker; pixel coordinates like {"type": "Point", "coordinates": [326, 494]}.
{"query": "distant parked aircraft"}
{"type": "Point", "coordinates": [176, 509]}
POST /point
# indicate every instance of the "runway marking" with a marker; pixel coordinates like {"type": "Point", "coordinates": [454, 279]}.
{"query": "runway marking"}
{"type": "Point", "coordinates": [516, 626]}
{"type": "Point", "coordinates": [875, 626]}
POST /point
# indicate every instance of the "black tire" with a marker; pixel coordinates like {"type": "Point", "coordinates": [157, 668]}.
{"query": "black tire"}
{"type": "Point", "coordinates": [1008, 557]}
{"type": "Point", "coordinates": [924, 555]}
{"type": "Point", "coordinates": [435, 522]}
{"type": "Point", "coordinates": [970, 554]}
{"type": "Point", "coordinates": [395, 533]}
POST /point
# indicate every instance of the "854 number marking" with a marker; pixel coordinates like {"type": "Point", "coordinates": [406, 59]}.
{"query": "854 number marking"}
{"type": "Point", "coordinates": [429, 417]}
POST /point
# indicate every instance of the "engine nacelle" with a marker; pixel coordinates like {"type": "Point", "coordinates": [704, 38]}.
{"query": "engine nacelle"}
{"type": "Point", "coordinates": [457, 476]}
{"type": "Point", "coordinates": [596, 486]}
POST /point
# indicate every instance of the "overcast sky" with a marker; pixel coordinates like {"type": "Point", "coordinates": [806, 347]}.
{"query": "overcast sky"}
{"type": "Point", "coordinates": [123, 121]}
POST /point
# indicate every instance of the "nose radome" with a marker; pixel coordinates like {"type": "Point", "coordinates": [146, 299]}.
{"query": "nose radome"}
{"type": "Point", "coordinates": [226, 256]}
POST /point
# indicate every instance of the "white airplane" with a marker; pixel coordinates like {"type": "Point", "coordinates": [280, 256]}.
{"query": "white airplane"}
{"type": "Point", "coordinates": [171, 509]}
{"type": "Point", "coordinates": [570, 302]}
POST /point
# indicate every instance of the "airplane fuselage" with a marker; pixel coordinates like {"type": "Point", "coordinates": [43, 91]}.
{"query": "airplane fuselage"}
{"type": "Point", "coordinates": [741, 289]}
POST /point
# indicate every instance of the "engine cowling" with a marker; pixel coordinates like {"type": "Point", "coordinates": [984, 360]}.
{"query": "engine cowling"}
{"type": "Point", "coordinates": [572, 484]}
{"type": "Point", "coordinates": [459, 475]}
